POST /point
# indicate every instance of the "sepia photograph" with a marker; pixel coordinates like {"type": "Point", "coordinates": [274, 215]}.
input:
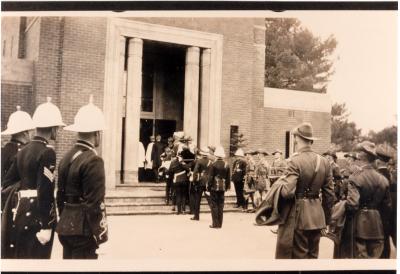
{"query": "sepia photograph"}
{"type": "Point", "coordinates": [199, 141]}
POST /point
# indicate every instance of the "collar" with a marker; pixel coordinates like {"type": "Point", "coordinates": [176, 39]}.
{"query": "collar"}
{"type": "Point", "coordinates": [305, 149]}
{"type": "Point", "coordinates": [18, 142]}
{"type": "Point", "coordinates": [85, 144]}
{"type": "Point", "coordinates": [40, 140]}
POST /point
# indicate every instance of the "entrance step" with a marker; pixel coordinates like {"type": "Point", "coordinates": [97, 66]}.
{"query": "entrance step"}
{"type": "Point", "coordinates": [150, 200]}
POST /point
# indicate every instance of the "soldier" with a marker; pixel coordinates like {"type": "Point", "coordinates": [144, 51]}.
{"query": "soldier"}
{"type": "Point", "coordinates": [307, 176]}
{"type": "Point", "coordinates": [337, 175]}
{"type": "Point", "coordinates": [261, 171]}
{"type": "Point", "coordinates": [384, 155]}
{"type": "Point", "coordinates": [81, 189]}
{"type": "Point", "coordinates": [29, 233]}
{"type": "Point", "coordinates": [200, 180]}
{"type": "Point", "coordinates": [238, 175]}
{"type": "Point", "coordinates": [19, 126]}
{"type": "Point", "coordinates": [351, 159]}
{"type": "Point", "coordinates": [279, 165]}
{"type": "Point", "coordinates": [218, 183]}
{"type": "Point", "coordinates": [367, 199]}
{"type": "Point", "coordinates": [250, 181]}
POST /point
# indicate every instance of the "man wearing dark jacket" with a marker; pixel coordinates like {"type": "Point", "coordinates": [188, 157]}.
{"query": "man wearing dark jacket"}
{"type": "Point", "coordinates": [81, 189]}
{"type": "Point", "coordinates": [28, 232]}
{"type": "Point", "coordinates": [238, 175]}
{"type": "Point", "coordinates": [368, 199]}
{"type": "Point", "coordinates": [218, 183]}
{"type": "Point", "coordinates": [308, 176]}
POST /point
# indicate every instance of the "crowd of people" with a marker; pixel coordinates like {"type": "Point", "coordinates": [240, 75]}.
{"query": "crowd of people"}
{"type": "Point", "coordinates": [307, 195]}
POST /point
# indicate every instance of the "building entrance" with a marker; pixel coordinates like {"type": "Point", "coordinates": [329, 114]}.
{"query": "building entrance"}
{"type": "Point", "coordinates": [162, 98]}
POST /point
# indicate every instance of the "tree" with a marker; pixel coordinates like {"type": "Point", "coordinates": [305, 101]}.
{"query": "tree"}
{"type": "Point", "coordinates": [344, 134]}
{"type": "Point", "coordinates": [237, 141]}
{"type": "Point", "coordinates": [294, 58]}
{"type": "Point", "coordinates": [387, 135]}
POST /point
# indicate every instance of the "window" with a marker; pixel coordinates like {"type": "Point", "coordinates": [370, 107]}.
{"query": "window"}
{"type": "Point", "coordinates": [233, 146]}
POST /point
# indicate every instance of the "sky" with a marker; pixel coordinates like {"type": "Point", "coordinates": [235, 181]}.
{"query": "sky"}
{"type": "Point", "coordinates": [366, 62]}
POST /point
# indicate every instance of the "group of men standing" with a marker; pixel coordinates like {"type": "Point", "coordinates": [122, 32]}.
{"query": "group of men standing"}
{"type": "Point", "coordinates": [314, 198]}
{"type": "Point", "coordinates": [29, 208]}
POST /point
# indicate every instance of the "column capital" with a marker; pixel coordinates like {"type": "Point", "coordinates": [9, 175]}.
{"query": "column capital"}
{"type": "Point", "coordinates": [193, 56]}
{"type": "Point", "coordinates": [135, 47]}
{"type": "Point", "coordinates": [206, 57]}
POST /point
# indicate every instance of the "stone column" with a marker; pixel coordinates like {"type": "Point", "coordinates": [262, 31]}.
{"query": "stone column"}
{"type": "Point", "coordinates": [191, 105]}
{"type": "Point", "coordinates": [204, 97]}
{"type": "Point", "coordinates": [132, 120]}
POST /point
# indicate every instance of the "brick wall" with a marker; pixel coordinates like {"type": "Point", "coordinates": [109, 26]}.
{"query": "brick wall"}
{"type": "Point", "coordinates": [278, 121]}
{"type": "Point", "coordinates": [13, 95]}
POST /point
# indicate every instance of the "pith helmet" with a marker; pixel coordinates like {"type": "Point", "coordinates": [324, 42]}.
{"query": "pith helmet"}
{"type": "Point", "coordinates": [239, 152]}
{"type": "Point", "coordinates": [47, 115]}
{"type": "Point", "coordinates": [18, 121]}
{"type": "Point", "coordinates": [89, 118]}
{"type": "Point", "coordinates": [305, 130]}
{"type": "Point", "coordinates": [219, 152]}
{"type": "Point", "coordinates": [204, 151]}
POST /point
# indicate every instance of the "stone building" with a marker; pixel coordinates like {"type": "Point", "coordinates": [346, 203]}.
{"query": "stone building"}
{"type": "Point", "coordinates": [204, 76]}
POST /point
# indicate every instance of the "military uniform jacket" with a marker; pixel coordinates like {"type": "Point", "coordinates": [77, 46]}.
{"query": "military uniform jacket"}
{"type": "Point", "coordinates": [298, 183]}
{"type": "Point", "coordinates": [179, 171]}
{"type": "Point", "coordinates": [8, 153]}
{"type": "Point", "coordinates": [80, 195]}
{"type": "Point", "coordinates": [219, 169]}
{"type": "Point", "coordinates": [369, 197]}
{"type": "Point", "coordinates": [34, 168]}
{"type": "Point", "coordinates": [239, 170]}
{"type": "Point", "coordinates": [201, 172]}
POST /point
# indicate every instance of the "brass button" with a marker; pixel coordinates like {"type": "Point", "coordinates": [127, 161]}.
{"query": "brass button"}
{"type": "Point", "coordinates": [11, 245]}
{"type": "Point", "coordinates": [31, 200]}
{"type": "Point", "coordinates": [28, 214]}
{"type": "Point", "coordinates": [26, 228]}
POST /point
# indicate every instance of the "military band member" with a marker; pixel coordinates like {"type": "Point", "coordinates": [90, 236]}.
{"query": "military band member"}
{"type": "Point", "coordinates": [200, 180]}
{"type": "Point", "coordinates": [308, 176]}
{"type": "Point", "coordinates": [30, 231]}
{"type": "Point", "coordinates": [368, 197]}
{"type": "Point", "coordinates": [81, 189]}
{"type": "Point", "coordinates": [19, 126]}
{"type": "Point", "coordinates": [238, 176]}
{"type": "Point", "coordinates": [218, 183]}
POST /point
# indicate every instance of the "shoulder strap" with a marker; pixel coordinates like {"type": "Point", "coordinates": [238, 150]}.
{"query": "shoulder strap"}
{"type": "Point", "coordinates": [315, 171]}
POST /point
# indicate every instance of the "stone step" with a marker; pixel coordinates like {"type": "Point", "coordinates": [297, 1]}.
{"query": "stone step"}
{"type": "Point", "coordinates": [111, 211]}
{"type": "Point", "coordinates": [149, 199]}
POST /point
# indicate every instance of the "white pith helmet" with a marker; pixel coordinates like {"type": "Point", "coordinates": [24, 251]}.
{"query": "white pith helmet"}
{"type": "Point", "coordinates": [18, 121]}
{"type": "Point", "coordinates": [239, 152]}
{"type": "Point", "coordinates": [89, 118]}
{"type": "Point", "coordinates": [47, 115]}
{"type": "Point", "coordinates": [219, 152]}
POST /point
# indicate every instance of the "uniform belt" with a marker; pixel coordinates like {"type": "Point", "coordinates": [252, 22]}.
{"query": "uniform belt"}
{"type": "Point", "coordinates": [307, 196]}
{"type": "Point", "coordinates": [28, 193]}
{"type": "Point", "coordinates": [73, 199]}
{"type": "Point", "coordinates": [367, 207]}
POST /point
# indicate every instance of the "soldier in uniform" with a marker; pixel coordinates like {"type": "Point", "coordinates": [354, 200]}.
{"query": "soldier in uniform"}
{"type": "Point", "coordinates": [29, 233]}
{"type": "Point", "coordinates": [19, 125]}
{"type": "Point", "coordinates": [261, 172]}
{"type": "Point", "coordinates": [337, 176]}
{"type": "Point", "coordinates": [200, 180]}
{"type": "Point", "coordinates": [279, 165]}
{"type": "Point", "coordinates": [238, 175]}
{"type": "Point", "coordinates": [383, 157]}
{"type": "Point", "coordinates": [367, 199]}
{"type": "Point", "coordinates": [250, 180]}
{"type": "Point", "coordinates": [307, 188]}
{"type": "Point", "coordinates": [81, 189]}
{"type": "Point", "coordinates": [219, 182]}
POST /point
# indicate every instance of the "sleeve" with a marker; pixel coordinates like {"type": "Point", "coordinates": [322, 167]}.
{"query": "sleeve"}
{"type": "Point", "coordinates": [210, 177]}
{"type": "Point", "coordinates": [60, 195]}
{"type": "Point", "coordinates": [290, 180]}
{"type": "Point", "coordinates": [328, 195]}
{"type": "Point", "coordinates": [12, 175]}
{"type": "Point", "coordinates": [353, 196]}
{"type": "Point", "coordinates": [45, 188]}
{"type": "Point", "coordinates": [228, 178]}
{"type": "Point", "coordinates": [93, 182]}
{"type": "Point", "coordinates": [196, 172]}
{"type": "Point", "coordinates": [386, 205]}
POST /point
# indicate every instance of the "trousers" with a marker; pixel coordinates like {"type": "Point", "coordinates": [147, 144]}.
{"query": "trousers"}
{"type": "Point", "coordinates": [368, 249]}
{"type": "Point", "coordinates": [240, 201]}
{"type": "Point", "coordinates": [306, 244]}
{"type": "Point", "coordinates": [78, 247]}
{"type": "Point", "coordinates": [197, 202]}
{"type": "Point", "coordinates": [181, 193]}
{"type": "Point", "coordinates": [217, 199]}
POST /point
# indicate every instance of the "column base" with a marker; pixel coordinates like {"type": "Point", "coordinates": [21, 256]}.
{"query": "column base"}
{"type": "Point", "coordinates": [130, 177]}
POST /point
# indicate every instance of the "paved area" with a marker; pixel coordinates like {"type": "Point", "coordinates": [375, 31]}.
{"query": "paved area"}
{"type": "Point", "coordinates": [165, 237]}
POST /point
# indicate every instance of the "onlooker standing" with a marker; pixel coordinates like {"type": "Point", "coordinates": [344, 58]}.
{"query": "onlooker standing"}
{"type": "Point", "coordinates": [149, 160]}
{"type": "Point", "coordinates": [158, 149]}
{"type": "Point", "coordinates": [219, 182]}
{"type": "Point", "coordinates": [308, 174]}
{"type": "Point", "coordinates": [141, 162]}
{"type": "Point", "coordinates": [238, 176]}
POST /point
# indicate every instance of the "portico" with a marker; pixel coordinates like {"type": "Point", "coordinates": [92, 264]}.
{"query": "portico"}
{"type": "Point", "coordinates": [124, 91]}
